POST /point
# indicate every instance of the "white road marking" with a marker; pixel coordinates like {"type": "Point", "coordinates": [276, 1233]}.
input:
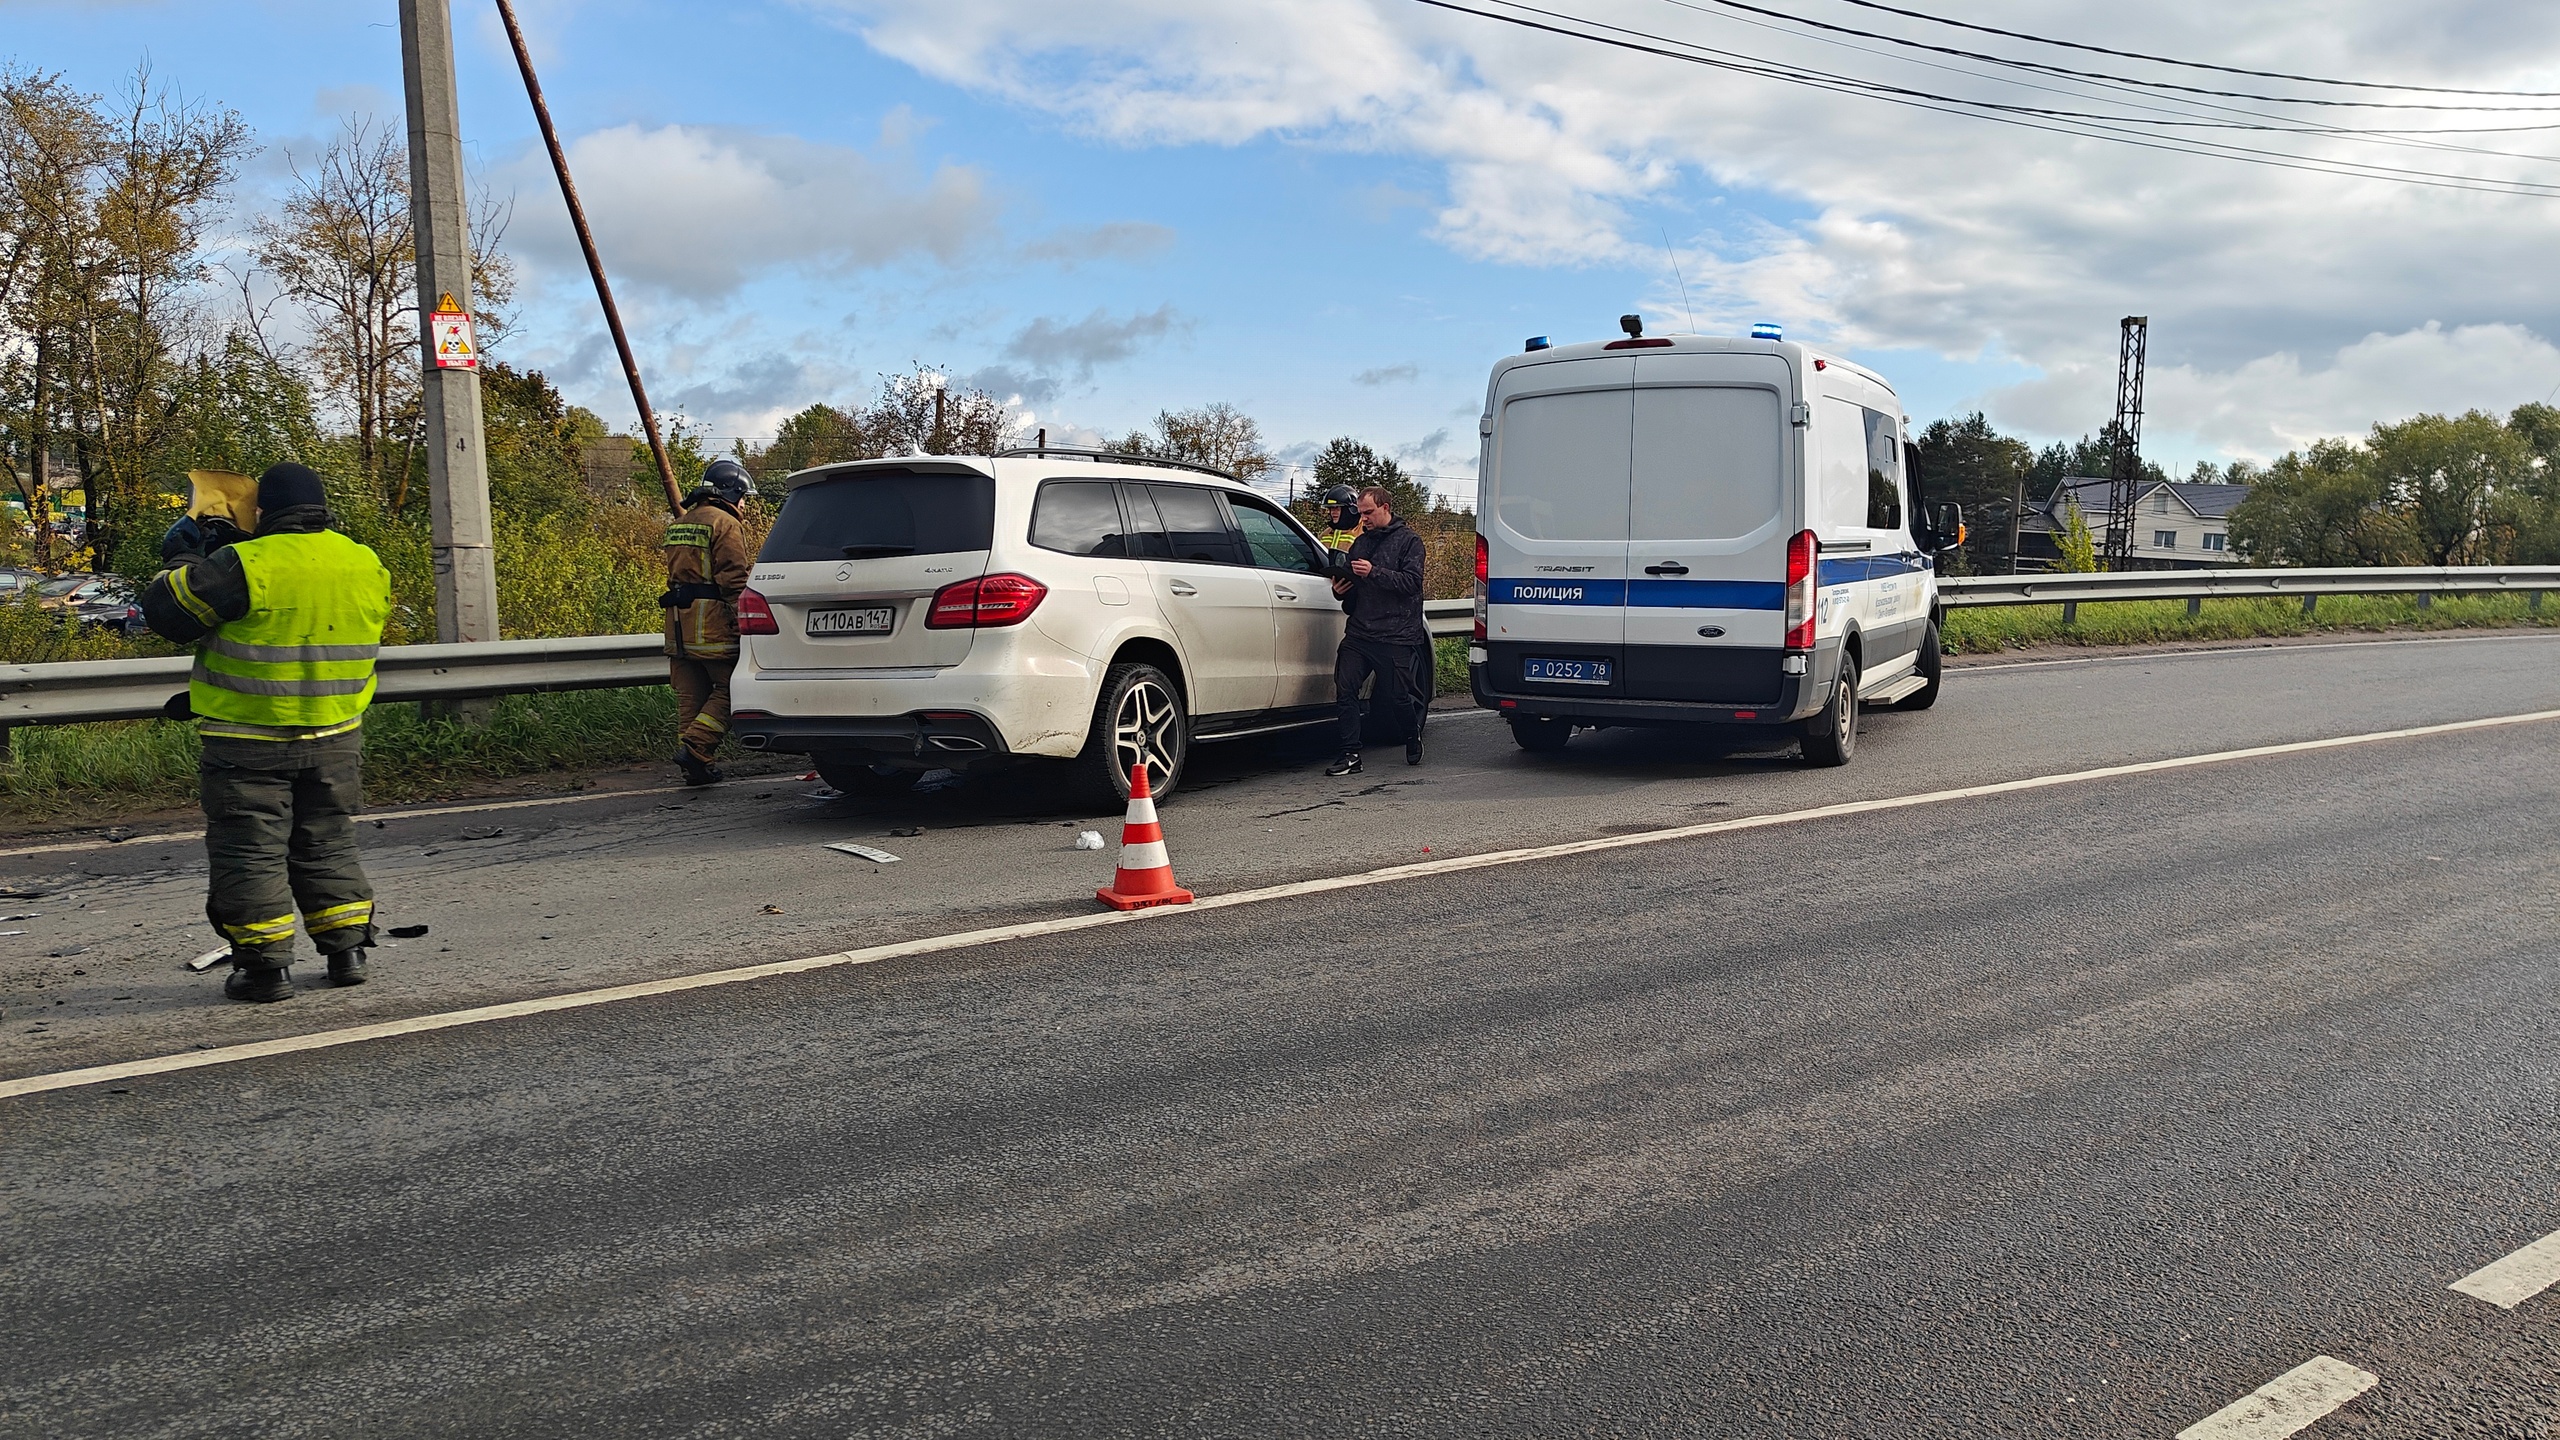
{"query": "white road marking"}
{"type": "Point", "coordinates": [2291, 1402]}
{"type": "Point", "coordinates": [969, 939]}
{"type": "Point", "coordinates": [867, 852]}
{"type": "Point", "coordinates": [2510, 1282]}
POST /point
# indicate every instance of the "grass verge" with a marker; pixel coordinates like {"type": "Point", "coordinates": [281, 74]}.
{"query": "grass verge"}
{"type": "Point", "coordinates": [64, 772]}
{"type": "Point", "coordinates": [1977, 629]}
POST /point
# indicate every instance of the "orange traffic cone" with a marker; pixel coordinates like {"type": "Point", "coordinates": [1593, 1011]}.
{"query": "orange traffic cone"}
{"type": "Point", "coordinates": [1146, 872]}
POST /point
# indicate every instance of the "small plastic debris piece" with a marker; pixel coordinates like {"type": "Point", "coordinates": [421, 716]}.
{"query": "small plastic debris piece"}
{"type": "Point", "coordinates": [408, 932]}
{"type": "Point", "coordinates": [865, 852]}
{"type": "Point", "coordinates": [907, 833]}
{"type": "Point", "coordinates": [209, 959]}
{"type": "Point", "coordinates": [773, 910]}
{"type": "Point", "coordinates": [1088, 839]}
{"type": "Point", "coordinates": [812, 775]}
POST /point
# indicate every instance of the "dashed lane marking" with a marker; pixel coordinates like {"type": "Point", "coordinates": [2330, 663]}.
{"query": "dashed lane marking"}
{"type": "Point", "coordinates": [969, 939]}
{"type": "Point", "coordinates": [2291, 1402]}
{"type": "Point", "coordinates": [2510, 1282]}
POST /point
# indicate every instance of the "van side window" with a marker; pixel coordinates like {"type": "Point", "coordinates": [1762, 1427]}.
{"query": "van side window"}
{"type": "Point", "coordinates": [1079, 517]}
{"type": "Point", "coordinates": [1884, 472]}
{"type": "Point", "coordinates": [1275, 543]}
{"type": "Point", "coordinates": [1194, 524]}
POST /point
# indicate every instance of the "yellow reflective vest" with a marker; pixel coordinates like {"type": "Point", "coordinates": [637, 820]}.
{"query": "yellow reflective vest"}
{"type": "Point", "coordinates": [299, 665]}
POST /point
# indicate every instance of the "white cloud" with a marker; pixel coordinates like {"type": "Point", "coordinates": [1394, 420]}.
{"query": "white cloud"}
{"type": "Point", "coordinates": [696, 212]}
{"type": "Point", "coordinates": [2282, 303]}
{"type": "Point", "coordinates": [1388, 374]}
{"type": "Point", "coordinates": [1076, 347]}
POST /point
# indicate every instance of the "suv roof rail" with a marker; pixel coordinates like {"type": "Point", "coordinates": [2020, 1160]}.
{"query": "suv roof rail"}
{"type": "Point", "coordinates": [1115, 457]}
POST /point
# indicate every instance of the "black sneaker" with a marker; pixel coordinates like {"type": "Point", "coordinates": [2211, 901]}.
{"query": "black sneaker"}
{"type": "Point", "coordinates": [1349, 764]}
{"type": "Point", "coordinates": [260, 986]}
{"type": "Point", "coordinates": [347, 967]}
{"type": "Point", "coordinates": [697, 771]}
{"type": "Point", "coordinates": [1413, 751]}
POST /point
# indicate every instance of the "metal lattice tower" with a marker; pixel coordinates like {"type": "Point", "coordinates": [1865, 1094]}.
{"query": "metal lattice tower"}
{"type": "Point", "coordinates": [2124, 471]}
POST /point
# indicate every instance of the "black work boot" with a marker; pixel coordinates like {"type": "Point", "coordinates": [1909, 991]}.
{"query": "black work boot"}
{"type": "Point", "coordinates": [347, 967]}
{"type": "Point", "coordinates": [259, 985]}
{"type": "Point", "coordinates": [1413, 750]}
{"type": "Point", "coordinates": [697, 771]}
{"type": "Point", "coordinates": [1349, 764]}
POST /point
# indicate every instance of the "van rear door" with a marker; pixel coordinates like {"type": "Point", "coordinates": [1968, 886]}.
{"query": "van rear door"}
{"type": "Point", "coordinates": [1556, 531]}
{"type": "Point", "coordinates": [854, 559]}
{"type": "Point", "coordinates": [1708, 521]}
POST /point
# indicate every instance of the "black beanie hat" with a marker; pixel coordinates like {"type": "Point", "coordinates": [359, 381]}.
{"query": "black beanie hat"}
{"type": "Point", "coordinates": [287, 485]}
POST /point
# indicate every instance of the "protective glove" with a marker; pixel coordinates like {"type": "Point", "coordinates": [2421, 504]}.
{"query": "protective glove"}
{"type": "Point", "coordinates": [187, 537]}
{"type": "Point", "coordinates": [219, 532]}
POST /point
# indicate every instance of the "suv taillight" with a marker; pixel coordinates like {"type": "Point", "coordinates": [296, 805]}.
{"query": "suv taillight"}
{"type": "Point", "coordinates": [755, 617]}
{"type": "Point", "coordinates": [985, 603]}
{"type": "Point", "coordinates": [1800, 586]}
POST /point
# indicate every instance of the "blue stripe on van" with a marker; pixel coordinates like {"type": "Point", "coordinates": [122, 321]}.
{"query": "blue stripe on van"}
{"type": "Point", "coordinates": [1852, 568]}
{"type": "Point", "coordinates": [1707, 594]}
{"type": "Point", "coordinates": [1645, 594]}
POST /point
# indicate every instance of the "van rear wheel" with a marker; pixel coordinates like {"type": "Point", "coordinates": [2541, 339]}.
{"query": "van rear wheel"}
{"type": "Point", "coordinates": [1831, 737]}
{"type": "Point", "coordinates": [1540, 736]}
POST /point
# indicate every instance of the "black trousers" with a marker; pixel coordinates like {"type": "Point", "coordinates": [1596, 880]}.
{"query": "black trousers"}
{"type": "Point", "coordinates": [280, 836]}
{"type": "Point", "coordinates": [1402, 692]}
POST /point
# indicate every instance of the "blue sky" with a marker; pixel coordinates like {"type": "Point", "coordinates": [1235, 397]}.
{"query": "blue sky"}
{"type": "Point", "coordinates": [1335, 214]}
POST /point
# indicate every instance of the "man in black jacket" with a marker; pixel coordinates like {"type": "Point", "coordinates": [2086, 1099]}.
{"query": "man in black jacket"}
{"type": "Point", "coordinates": [1385, 637]}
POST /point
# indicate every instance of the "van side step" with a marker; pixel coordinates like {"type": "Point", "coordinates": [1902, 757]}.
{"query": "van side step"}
{"type": "Point", "coordinates": [1894, 690]}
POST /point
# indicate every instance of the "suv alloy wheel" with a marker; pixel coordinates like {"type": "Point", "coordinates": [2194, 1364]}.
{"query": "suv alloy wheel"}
{"type": "Point", "coordinates": [1138, 717]}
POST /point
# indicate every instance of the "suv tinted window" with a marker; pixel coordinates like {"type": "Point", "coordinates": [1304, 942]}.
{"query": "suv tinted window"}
{"type": "Point", "coordinates": [1194, 523]}
{"type": "Point", "coordinates": [1275, 543]}
{"type": "Point", "coordinates": [871, 513]}
{"type": "Point", "coordinates": [1079, 517]}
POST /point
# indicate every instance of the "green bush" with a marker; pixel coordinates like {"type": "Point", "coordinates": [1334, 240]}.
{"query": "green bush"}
{"type": "Point", "coordinates": [2146, 622]}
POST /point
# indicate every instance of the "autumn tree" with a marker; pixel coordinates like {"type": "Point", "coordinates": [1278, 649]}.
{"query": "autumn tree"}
{"type": "Point", "coordinates": [1216, 435]}
{"type": "Point", "coordinates": [922, 413]}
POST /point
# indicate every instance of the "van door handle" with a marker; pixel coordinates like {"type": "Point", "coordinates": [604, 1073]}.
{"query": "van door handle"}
{"type": "Point", "coordinates": [1181, 587]}
{"type": "Point", "coordinates": [1667, 567]}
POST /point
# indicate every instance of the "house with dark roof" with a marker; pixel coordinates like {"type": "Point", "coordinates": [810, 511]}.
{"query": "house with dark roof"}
{"type": "Point", "coordinates": [2176, 526]}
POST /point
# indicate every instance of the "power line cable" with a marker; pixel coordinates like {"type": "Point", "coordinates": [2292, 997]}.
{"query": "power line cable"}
{"type": "Point", "coordinates": [2193, 64]}
{"type": "Point", "coordinates": [2055, 122]}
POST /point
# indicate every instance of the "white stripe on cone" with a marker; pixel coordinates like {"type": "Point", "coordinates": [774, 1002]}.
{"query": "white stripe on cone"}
{"type": "Point", "coordinates": [1145, 855]}
{"type": "Point", "coordinates": [1142, 811]}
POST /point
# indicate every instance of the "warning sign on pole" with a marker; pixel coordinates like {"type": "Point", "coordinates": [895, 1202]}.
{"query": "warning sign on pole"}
{"type": "Point", "coordinates": [449, 330]}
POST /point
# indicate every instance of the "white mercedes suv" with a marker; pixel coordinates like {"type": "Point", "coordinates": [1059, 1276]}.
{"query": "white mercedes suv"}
{"type": "Point", "coordinates": [1092, 610]}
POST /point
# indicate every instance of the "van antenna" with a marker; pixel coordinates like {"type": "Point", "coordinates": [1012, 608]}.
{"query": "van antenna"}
{"type": "Point", "coordinates": [1676, 275]}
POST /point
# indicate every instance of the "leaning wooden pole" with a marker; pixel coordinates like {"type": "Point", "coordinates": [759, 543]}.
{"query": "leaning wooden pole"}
{"type": "Point", "coordinates": [595, 264]}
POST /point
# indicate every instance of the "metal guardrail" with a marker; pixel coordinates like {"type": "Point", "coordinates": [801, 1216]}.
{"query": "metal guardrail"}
{"type": "Point", "coordinates": [137, 689]}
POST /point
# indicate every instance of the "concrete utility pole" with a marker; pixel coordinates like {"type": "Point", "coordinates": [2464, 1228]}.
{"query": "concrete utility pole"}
{"type": "Point", "coordinates": [457, 464]}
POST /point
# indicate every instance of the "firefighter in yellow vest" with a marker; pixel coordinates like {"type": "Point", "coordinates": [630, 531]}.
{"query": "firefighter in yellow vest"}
{"type": "Point", "coordinates": [285, 623]}
{"type": "Point", "coordinates": [707, 563]}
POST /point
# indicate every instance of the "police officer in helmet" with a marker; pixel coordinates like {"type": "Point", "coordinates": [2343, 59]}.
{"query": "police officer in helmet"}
{"type": "Point", "coordinates": [286, 622]}
{"type": "Point", "coordinates": [707, 562]}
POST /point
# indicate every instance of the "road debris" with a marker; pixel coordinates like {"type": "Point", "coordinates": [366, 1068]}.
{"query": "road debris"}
{"type": "Point", "coordinates": [1088, 839]}
{"type": "Point", "coordinates": [906, 832]}
{"type": "Point", "coordinates": [772, 910]}
{"type": "Point", "coordinates": [30, 915]}
{"type": "Point", "coordinates": [864, 851]}
{"type": "Point", "coordinates": [209, 959]}
{"type": "Point", "coordinates": [484, 832]}
{"type": "Point", "coordinates": [408, 932]}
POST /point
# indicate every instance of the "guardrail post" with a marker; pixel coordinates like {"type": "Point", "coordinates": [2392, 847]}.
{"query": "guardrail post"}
{"type": "Point", "coordinates": [2195, 606]}
{"type": "Point", "coordinates": [2533, 603]}
{"type": "Point", "coordinates": [2426, 599]}
{"type": "Point", "coordinates": [2309, 603]}
{"type": "Point", "coordinates": [2070, 612]}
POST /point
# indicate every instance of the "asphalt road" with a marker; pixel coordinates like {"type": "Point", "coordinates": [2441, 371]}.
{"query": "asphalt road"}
{"type": "Point", "coordinates": [2077, 1111]}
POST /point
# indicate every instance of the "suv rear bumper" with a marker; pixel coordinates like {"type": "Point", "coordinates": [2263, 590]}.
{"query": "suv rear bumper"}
{"type": "Point", "coordinates": [945, 736]}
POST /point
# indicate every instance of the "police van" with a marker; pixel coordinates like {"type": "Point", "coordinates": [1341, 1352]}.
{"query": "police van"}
{"type": "Point", "coordinates": [1700, 530]}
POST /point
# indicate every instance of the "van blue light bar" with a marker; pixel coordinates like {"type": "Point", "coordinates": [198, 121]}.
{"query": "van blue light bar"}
{"type": "Point", "coordinates": [1536, 342]}
{"type": "Point", "coordinates": [1768, 330]}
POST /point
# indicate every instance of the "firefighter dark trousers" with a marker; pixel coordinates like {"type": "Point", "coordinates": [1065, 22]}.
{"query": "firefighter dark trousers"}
{"type": "Point", "coordinates": [702, 701]}
{"type": "Point", "coordinates": [1396, 695]}
{"type": "Point", "coordinates": [280, 836]}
